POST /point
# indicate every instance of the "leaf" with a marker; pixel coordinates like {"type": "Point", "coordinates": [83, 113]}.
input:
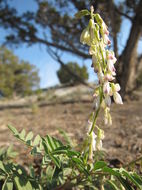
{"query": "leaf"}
{"type": "Point", "coordinates": [13, 129]}
{"type": "Point", "coordinates": [82, 13]}
{"type": "Point", "coordinates": [99, 165]}
{"type": "Point", "coordinates": [36, 140]}
{"type": "Point", "coordinates": [50, 172]}
{"type": "Point", "coordinates": [80, 165]}
{"type": "Point", "coordinates": [111, 171]}
{"type": "Point", "coordinates": [130, 177]}
{"type": "Point", "coordinates": [29, 136]}
{"type": "Point", "coordinates": [2, 167]}
{"type": "Point", "coordinates": [77, 160]}
{"type": "Point", "coordinates": [138, 179]}
{"type": "Point", "coordinates": [55, 160]}
{"type": "Point", "coordinates": [125, 183]}
{"type": "Point", "coordinates": [21, 183]}
{"type": "Point", "coordinates": [73, 153]}
{"type": "Point", "coordinates": [112, 185]}
{"type": "Point", "coordinates": [8, 185]}
{"type": "Point", "coordinates": [50, 144]}
{"type": "Point", "coordinates": [22, 134]}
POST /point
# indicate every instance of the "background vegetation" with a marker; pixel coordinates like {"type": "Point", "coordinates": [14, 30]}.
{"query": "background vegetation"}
{"type": "Point", "coordinates": [16, 77]}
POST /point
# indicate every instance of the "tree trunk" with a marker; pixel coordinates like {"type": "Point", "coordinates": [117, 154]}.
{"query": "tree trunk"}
{"type": "Point", "coordinates": [129, 55]}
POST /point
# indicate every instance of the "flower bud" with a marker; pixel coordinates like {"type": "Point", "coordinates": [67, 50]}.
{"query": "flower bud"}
{"type": "Point", "coordinates": [85, 36]}
{"type": "Point", "coordinates": [100, 136]}
{"type": "Point", "coordinates": [107, 117]}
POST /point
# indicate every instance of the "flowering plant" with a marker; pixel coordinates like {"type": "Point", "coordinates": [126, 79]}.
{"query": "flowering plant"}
{"type": "Point", "coordinates": [95, 35]}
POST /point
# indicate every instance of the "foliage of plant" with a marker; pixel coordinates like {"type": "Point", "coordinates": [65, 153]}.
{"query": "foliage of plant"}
{"type": "Point", "coordinates": [66, 78]}
{"type": "Point", "coordinates": [62, 167]}
{"type": "Point", "coordinates": [17, 77]}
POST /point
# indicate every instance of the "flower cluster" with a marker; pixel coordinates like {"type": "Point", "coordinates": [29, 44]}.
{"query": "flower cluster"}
{"type": "Point", "coordinates": [96, 36]}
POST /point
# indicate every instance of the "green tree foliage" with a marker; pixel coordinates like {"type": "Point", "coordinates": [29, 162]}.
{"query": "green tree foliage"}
{"type": "Point", "coordinates": [17, 77]}
{"type": "Point", "coordinates": [66, 78]}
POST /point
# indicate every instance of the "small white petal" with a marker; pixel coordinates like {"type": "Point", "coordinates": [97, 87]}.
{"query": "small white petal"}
{"type": "Point", "coordinates": [117, 98]}
{"type": "Point", "coordinates": [108, 100]}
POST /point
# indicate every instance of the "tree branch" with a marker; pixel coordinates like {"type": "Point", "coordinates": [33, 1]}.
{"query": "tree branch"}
{"type": "Point", "coordinates": [123, 14]}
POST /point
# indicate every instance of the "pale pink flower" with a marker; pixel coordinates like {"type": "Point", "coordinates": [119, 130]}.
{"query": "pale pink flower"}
{"type": "Point", "coordinates": [111, 67]}
{"type": "Point", "coordinates": [106, 39]}
{"type": "Point", "coordinates": [112, 57]}
{"type": "Point", "coordinates": [106, 88]}
{"type": "Point", "coordinates": [108, 77]}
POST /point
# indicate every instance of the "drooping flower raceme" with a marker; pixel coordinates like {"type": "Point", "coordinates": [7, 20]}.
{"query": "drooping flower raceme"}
{"type": "Point", "coordinates": [96, 36]}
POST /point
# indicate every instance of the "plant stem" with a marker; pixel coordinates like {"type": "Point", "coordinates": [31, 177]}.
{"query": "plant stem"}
{"type": "Point", "coordinates": [97, 113]}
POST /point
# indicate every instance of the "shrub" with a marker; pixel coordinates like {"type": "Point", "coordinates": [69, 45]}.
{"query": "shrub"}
{"type": "Point", "coordinates": [16, 77]}
{"type": "Point", "coordinates": [66, 78]}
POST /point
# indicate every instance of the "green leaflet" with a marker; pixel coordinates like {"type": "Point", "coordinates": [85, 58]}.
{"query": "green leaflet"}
{"type": "Point", "coordinates": [82, 13]}
{"type": "Point", "coordinates": [8, 185]}
{"type": "Point", "coordinates": [22, 184]}
{"type": "Point", "coordinates": [99, 165]}
{"type": "Point", "coordinates": [132, 179]}
{"type": "Point", "coordinates": [112, 185]}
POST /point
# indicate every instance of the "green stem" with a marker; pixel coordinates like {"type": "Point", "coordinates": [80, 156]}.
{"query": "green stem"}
{"type": "Point", "coordinates": [97, 112]}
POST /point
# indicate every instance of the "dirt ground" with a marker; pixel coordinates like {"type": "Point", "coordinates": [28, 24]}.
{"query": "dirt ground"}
{"type": "Point", "coordinates": [123, 140]}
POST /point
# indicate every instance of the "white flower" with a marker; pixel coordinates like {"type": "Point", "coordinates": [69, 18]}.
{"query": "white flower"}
{"type": "Point", "coordinates": [117, 98]}
{"type": "Point", "coordinates": [93, 141]}
{"type": "Point", "coordinates": [104, 29]}
{"type": "Point", "coordinates": [106, 88]}
{"type": "Point", "coordinates": [108, 77]}
{"type": "Point", "coordinates": [108, 100]}
{"type": "Point", "coordinates": [111, 67]}
{"type": "Point", "coordinates": [106, 39]}
{"type": "Point", "coordinates": [97, 102]}
{"type": "Point", "coordinates": [111, 56]}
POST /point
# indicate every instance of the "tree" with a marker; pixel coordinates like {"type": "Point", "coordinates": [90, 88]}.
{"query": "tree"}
{"type": "Point", "coordinates": [55, 31]}
{"type": "Point", "coordinates": [16, 77]}
{"type": "Point", "coordinates": [66, 78]}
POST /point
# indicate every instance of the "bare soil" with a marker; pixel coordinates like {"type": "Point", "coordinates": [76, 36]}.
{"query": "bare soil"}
{"type": "Point", "coordinates": [123, 140]}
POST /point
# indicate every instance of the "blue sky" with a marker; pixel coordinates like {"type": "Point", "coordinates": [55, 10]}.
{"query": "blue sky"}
{"type": "Point", "coordinates": [38, 55]}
